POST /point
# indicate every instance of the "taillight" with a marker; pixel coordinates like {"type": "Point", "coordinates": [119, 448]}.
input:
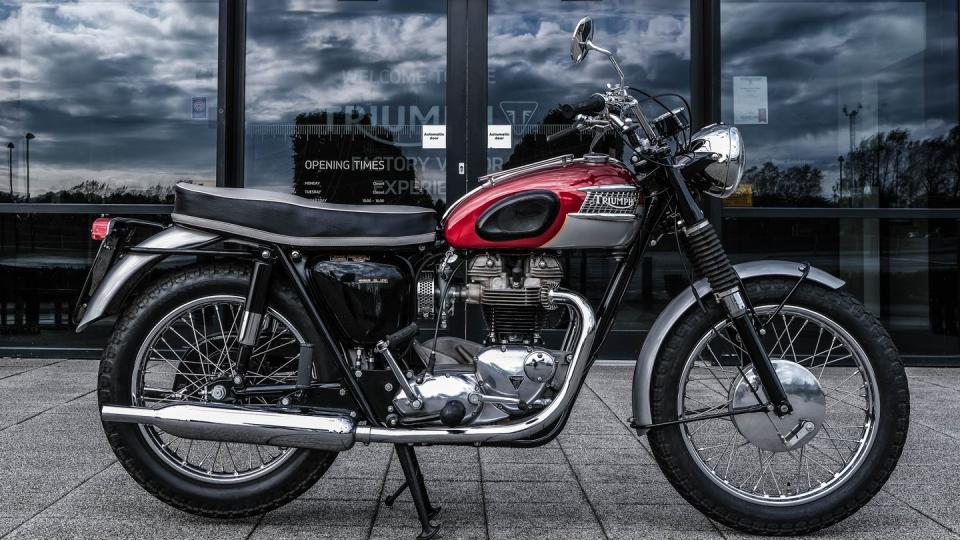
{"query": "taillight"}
{"type": "Point", "coordinates": [101, 228]}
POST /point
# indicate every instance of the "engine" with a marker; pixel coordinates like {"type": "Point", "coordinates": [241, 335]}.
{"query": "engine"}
{"type": "Point", "coordinates": [510, 292]}
{"type": "Point", "coordinates": [512, 373]}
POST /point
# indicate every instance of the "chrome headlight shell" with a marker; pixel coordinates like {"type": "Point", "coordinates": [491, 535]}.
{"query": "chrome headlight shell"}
{"type": "Point", "coordinates": [723, 175]}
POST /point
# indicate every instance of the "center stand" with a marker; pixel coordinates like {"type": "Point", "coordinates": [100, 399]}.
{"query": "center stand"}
{"type": "Point", "coordinates": [418, 490]}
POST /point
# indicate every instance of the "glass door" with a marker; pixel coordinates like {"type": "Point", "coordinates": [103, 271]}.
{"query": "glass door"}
{"type": "Point", "coordinates": [345, 101]}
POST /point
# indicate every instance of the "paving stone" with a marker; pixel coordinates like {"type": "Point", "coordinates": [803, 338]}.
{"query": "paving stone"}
{"type": "Point", "coordinates": [538, 513]}
{"type": "Point", "coordinates": [322, 513]}
{"type": "Point", "coordinates": [140, 528]}
{"type": "Point", "coordinates": [527, 491]}
{"type": "Point", "coordinates": [59, 477]}
{"type": "Point", "coordinates": [646, 517]}
{"type": "Point", "coordinates": [500, 532]}
{"type": "Point", "coordinates": [656, 491]}
{"type": "Point", "coordinates": [531, 472]}
{"type": "Point", "coordinates": [287, 532]}
{"type": "Point", "coordinates": [521, 455]}
{"type": "Point", "coordinates": [446, 531]}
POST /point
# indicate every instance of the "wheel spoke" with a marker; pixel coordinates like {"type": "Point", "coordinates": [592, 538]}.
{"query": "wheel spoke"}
{"type": "Point", "coordinates": [819, 461]}
{"type": "Point", "coordinates": [205, 333]}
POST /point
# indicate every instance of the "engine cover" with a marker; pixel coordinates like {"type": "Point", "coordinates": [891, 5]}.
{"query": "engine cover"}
{"type": "Point", "coordinates": [515, 372]}
{"type": "Point", "coordinates": [436, 392]}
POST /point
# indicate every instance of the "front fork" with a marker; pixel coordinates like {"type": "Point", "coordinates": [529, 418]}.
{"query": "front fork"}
{"type": "Point", "coordinates": [708, 256]}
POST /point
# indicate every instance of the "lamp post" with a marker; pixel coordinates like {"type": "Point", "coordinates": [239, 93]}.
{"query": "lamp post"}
{"type": "Point", "coordinates": [29, 137]}
{"type": "Point", "coordinates": [840, 198]}
{"type": "Point", "coordinates": [852, 118]}
{"type": "Point", "coordinates": [10, 166]}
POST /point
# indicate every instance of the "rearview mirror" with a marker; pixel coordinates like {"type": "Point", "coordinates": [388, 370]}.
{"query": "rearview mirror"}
{"type": "Point", "coordinates": [580, 41]}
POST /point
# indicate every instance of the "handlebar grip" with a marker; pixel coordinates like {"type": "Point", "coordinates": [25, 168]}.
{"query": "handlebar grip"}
{"type": "Point", "coordinates": [592, 104]}
{"type": "Point", "coordinates": [402, 335]}
{"type": "Point", "coordinates": [562, 133]}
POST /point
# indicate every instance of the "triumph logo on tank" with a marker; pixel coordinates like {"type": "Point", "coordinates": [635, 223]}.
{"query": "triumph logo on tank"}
{"type": "Point", "coordinates": [619, 200]}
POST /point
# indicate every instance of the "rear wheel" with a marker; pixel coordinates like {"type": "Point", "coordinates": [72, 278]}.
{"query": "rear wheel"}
{"type": "Point", "coordinates": [177, 342]}
{"type": "Point", "coordinates": [762, 473]}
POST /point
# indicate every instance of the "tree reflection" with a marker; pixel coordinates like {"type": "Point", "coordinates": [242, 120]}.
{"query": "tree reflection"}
{"type": "Point", "coordinates": [887, 170]}
{"type": "Point", "coordinates": [101, 192]}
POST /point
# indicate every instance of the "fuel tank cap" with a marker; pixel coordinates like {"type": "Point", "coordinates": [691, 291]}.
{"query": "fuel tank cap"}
{"type": "Point", "coordinates": [594, 157]}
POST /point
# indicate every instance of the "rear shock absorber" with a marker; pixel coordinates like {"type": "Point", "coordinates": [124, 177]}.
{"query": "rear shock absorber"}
{"type": "Point", "coordinates": [710, 260]}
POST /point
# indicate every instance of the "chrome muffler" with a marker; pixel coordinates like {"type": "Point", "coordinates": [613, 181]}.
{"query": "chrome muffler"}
{"type": "Point", "coordinates": [318, 431]}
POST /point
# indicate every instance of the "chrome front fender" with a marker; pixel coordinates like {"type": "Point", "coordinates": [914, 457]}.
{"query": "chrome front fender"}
{"type": "Point", "coordinates": [127, 272]}
{"type": "Point", "coordinates": [677, 307]}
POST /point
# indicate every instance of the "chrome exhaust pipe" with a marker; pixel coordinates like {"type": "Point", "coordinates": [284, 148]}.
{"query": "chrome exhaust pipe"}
{"type": "Point", "coordinates": [327, 431]}
{"type": "Point", "coordinates": [337, 432]}
{"type": "Point", "coordinates": [587, 326]}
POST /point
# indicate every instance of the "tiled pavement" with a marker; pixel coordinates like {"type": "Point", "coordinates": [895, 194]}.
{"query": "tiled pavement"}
{"type": "Point", "coordinates": [59, 479]}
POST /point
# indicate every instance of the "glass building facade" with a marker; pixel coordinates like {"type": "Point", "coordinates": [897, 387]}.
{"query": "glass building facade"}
{"type": "Point", "coordinates": [849, 111]}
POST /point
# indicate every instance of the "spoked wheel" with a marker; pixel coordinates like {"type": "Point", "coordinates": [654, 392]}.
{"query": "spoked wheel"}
{"type": "Point", "coordinates": [177, 342]}
{"type": "Point", "coordinates": [191, 356]}
{"type": "Point", "coordinates": [781, 475]}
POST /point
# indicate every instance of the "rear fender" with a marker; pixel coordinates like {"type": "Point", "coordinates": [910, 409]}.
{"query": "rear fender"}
{"type": "Point", "coordinates": [678, 307]}
{"type": "Point", "coordinates": [130, 270]}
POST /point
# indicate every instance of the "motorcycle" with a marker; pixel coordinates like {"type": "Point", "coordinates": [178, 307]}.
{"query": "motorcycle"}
{"type": "Point", "coordinates": [774, 402]}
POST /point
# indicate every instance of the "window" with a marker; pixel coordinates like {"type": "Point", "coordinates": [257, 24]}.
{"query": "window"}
{"type": "Point", "coordinates": [339, 97]}
{"type": "Point", "coordinates": [849, 104]}
{"type": "Point", "coordinates": [106, 102]}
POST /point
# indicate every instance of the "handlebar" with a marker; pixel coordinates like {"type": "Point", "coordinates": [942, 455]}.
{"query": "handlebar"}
{"type": "Point", "coordinates": [563, 132]}
{"type": "Point", "coordinates": [593, 104]}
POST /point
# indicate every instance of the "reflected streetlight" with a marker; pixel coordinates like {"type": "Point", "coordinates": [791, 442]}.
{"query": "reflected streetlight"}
{"type": "Point", "coordinates": [840, 199]}
{"type": "Point", "coordinates": [29, 137]}
{"type": "Point", "coordinates": [10, 166]}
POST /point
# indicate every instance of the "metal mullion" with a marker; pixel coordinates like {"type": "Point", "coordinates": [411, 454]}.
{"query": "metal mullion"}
{"type": "Point", "coordinates": [231, 78]}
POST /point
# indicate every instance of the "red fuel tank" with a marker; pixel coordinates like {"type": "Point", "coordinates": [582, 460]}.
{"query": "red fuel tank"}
{"type": "Point", "coordinates": [559, 203]}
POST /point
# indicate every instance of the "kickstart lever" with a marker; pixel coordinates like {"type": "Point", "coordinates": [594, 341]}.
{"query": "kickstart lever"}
{"type": "Point", "coordinates": [383, 347]}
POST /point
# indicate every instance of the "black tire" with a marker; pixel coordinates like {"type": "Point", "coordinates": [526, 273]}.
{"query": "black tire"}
{"type": "Point", "coordinates": [681, 468]}
{"type": "Point", "coordinates": [222, 500]}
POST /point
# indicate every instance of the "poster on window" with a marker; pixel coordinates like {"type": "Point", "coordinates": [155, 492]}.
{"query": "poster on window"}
{"type": "Point", "coordinates": [750, 100]}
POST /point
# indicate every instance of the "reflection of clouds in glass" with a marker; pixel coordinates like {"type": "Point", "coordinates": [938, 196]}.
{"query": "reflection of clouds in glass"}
{"type": "Point", "coordinates": [316, 58]}
{"type": "Point", "coordinates": [529, 50]}
{"type": "Point", "coordinates": [385, 59]}
{"type": "Point", "coordinates": [896, 58]}
{"type": "Point", "coordinates": [107, 88]}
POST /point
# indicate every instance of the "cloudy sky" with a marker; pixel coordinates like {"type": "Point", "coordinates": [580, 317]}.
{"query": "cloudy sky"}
{"type": "Point", "coordinates": [107, 89]}
{"type": "Point", "coordinates": [107, 86]}
{"type": "Point", "coordinates": [896, 59]}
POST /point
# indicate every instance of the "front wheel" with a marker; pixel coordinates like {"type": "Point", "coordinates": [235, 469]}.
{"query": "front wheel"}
{"type": "Point", "coordinates": [761, 473]}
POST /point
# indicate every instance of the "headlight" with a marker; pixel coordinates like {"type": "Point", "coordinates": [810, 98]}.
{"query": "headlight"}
{"type": "Point", "coordinates": [723, 176]}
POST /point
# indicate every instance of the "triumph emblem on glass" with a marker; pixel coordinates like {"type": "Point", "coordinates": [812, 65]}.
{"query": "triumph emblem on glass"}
{"type": "Point", "coordinates": [774, 402]}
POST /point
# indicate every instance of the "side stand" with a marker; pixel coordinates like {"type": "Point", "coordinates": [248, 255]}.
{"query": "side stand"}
{"type": "Point", "coordinates": [414, 481]}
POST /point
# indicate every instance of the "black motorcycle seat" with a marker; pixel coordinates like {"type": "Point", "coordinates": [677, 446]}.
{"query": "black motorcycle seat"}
{"type": "Point", "coordinates": [288, 219]}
